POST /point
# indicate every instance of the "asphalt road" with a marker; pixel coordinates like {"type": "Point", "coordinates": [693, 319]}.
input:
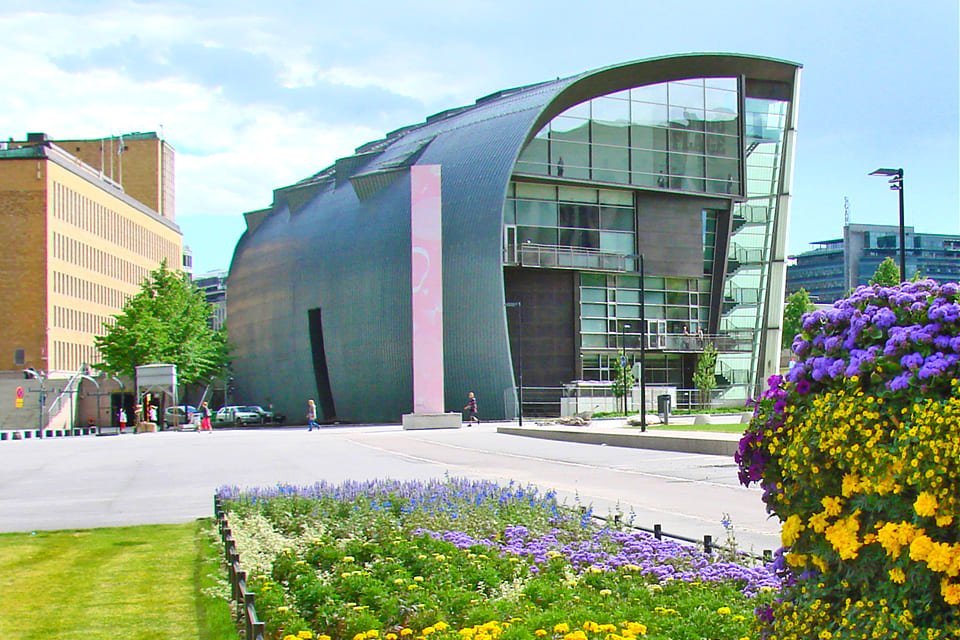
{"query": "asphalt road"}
{"type": "Point", "coordinates": [169, 477]}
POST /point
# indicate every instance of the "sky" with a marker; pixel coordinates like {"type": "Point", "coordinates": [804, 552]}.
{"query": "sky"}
{"type": "Point", "coordinates": [257, 95]}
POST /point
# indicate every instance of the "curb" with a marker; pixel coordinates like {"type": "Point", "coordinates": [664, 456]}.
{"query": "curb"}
{"type": "Point", "coordinates": [643, 440]}
{"type": "Point", "coordinates": [34, 434]}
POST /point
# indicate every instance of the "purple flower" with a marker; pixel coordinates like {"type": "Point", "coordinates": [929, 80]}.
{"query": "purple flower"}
{"type": "Point", "coordinates": [911, 361]}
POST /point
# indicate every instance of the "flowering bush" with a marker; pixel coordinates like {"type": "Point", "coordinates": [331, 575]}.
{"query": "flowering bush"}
{"type": "Point", "coordinates": [455, 559]}
{"type": "Point", "coordinates": [857, 450]}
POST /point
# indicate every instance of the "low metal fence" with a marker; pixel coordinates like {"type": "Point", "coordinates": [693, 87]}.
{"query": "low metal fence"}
{"type": "Point", "coordinates": [246, 611]}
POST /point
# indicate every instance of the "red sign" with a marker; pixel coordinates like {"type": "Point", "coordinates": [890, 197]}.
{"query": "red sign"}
{"type": "Point", "coordinates": [18, 404]}
{"type": "Point", "coordinates": [19, 393]}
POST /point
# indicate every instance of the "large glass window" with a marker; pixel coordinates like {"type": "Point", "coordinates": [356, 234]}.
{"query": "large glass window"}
{"type": "Point", "coordinates": [575, 217]}
{"type": "Point", "coordinates": [681, 135]}
{"type": "Point", "coordinates": [672, 307]}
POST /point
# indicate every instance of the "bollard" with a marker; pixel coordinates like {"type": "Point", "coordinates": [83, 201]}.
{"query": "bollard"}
{"type": "Point", "coordinates": [657, 532]}
{"type": "Point", "coordinates": [767, 555]}
{"type": "Point", "coordinates": [616, 519]}
{"type": "Point", "coordinates": [708, 544]}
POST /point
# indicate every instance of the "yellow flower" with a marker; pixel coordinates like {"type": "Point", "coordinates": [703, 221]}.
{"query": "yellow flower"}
{"type": "Point", "coordinates": [843, 536]}
{"type": "Point", "coordinates": [724, 611]}
{"type": "Point", "coordinates": [791, 530]}
{"type": "Point", "coordinates": [561, 627]}
{"type": "Point", "coordinates": [406, 632]}
{"type": "Point", "coordinates": [831, 505]}
{"type": "Point", "coordinates": [305, 635]}
{"type": "Point", "coordinates": [950, 591]}
{"type": "Point", "coordinates": [540, 633]}
{"type": "Point", "coordinates": [925, 505]}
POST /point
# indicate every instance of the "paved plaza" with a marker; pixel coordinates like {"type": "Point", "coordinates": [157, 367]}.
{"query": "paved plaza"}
{"type": "Point", "coordinates": [171, 477]}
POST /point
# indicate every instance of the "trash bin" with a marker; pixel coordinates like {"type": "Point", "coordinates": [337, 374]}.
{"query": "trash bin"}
{"type": "Point", "coordinates": [663, 408]}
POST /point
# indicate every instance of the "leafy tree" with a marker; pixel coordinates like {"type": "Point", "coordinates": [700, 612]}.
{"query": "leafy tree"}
{"type": "Point", "coordinates": [623, 381]}
{"type": "Point", "coordinates": [705, 375]}
{"type": "Point", "coordinates": [887, 274]}
{"type": "Point", "coordinates": [167, 322]}
{"type": "Point", "coordinates": [798, 303]}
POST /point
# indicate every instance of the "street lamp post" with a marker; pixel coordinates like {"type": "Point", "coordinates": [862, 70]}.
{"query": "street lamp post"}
{"type": "Point", "coordinates": [643, 348]}
{"type": "Point", "coordinates": [519, 308]}
{"type": "Point", "coordinates": [896, 184]}
{"type": "Point", "coordinates": [623, 363]}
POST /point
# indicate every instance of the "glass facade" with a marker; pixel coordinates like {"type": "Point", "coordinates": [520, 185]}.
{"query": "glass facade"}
{"type": "Point", "coordinates": [687, 136]}
{"type": "Point", "coordinates": [610, 310]}
{"type": "Point", "coordinates": [748, 257]}
{"type": "Point", "coordinates": [578, 218]}
{"type": "Point", "coordinates": [682, 135]}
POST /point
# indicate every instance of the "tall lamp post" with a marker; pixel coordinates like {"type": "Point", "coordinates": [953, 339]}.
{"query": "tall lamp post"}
{"type": "Point", "coordinates": [896, 184]}
{"type": "Point", "coordinates": [643, 347]}
{"type": "Point", "coordinates": [623, 363]}
{"type": "Point", "coordinates": [519, 308]}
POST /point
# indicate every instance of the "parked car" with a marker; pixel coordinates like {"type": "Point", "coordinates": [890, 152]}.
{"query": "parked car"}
{"type": "Point", "coordinates": [235, 415]}
{"type": "Point", "coordinates": [266, 417]}
{"type": "Point", "coordinates": [180, 416]}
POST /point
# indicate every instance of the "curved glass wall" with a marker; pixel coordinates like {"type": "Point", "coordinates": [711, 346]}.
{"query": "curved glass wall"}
{"type": "Point", "coordinates": [682, 135]}
{"type": "Point", "coordinates": [748, 258]}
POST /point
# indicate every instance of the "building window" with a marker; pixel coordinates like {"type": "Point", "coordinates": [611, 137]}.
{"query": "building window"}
{"type": "Point", "coordinates": [682, 135]}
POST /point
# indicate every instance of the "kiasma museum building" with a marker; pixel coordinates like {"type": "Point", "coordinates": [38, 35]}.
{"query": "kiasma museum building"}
{"type": "Point", "coordinates": [577, 217]}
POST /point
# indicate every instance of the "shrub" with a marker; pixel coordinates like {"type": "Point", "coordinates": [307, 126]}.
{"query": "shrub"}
{"type": "Point", "coordinates": [857, 452]}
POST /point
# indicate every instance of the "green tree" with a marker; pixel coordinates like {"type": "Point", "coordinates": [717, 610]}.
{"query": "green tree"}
{"type": "Point", "coordinates": [166, 322]}
{"type": "Point", "coordinates": [798, 303]}
{"type": "Point", "coordinates": [705, 375]}
{"type": "Point", "coordinates": [887, 274]}
{"type": "Point", "coordinates": [623, 381]}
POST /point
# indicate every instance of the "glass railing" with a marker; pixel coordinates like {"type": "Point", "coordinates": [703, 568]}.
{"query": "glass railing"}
{"type": "Point", "coordinates": [558, 257]}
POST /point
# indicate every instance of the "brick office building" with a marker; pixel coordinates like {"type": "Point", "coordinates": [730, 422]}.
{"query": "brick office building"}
{"type": "Point", "coordinates": [87, 220]}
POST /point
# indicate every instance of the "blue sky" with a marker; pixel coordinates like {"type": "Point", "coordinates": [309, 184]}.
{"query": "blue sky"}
{"type": "Point", "coordinates": [255, 95]}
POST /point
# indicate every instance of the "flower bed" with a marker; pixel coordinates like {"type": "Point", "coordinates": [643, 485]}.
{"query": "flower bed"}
{"type": "Point", "coordinates": [459, 559]}
{"type": "Point", "coordinates": [858, 453]}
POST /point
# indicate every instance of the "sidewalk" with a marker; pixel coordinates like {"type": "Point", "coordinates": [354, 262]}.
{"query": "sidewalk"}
{"type": "Point", "coordinates": [616, 433]}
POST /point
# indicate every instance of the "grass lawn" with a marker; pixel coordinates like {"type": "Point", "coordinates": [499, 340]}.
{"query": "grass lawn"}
{"type": "Point", "coordinates": [137, 583]}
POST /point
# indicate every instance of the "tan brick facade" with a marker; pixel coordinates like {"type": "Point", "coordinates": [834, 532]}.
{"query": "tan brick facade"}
{"type": "Point", "coordinates": [79, 248]}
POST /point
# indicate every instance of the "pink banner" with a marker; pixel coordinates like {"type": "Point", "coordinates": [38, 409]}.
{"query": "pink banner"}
{"type": "Point", "coordinates": [426, 257]}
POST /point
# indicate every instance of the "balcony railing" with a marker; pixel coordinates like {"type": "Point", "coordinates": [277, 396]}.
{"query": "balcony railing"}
{"type": "Point", "coordinates": [557, 257]}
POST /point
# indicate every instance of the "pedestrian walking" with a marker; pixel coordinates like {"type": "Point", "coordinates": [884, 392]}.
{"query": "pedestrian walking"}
{"type": "Point", "coordinates": [122, 419]}
{"type": "Point", "coordinates": [205, 424]}
{"type": "Point", "coordinates": [471, 408]}
{"type": "Point", "coordinates": [312, 416]}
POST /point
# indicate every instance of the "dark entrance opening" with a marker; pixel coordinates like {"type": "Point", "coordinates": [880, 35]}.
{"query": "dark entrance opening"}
{"type": "Point", "coordinates": [324, 393]}
{"type": "Point", "coordinates": [549, 345]}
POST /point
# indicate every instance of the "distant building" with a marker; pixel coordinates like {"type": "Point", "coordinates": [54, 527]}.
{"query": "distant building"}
{"type": "Point", "coordinates": [214, 287]}
{"type": "Point", "coordinates": [187, 266]}
{"type": "Point", "coordinates": [88, 220]}
{"type": "Point", "coordinates": [836, 267]}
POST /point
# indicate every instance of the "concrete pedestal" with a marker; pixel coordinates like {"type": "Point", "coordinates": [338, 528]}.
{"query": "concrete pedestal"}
{"type": "Point", "coordinates": [432, 421]}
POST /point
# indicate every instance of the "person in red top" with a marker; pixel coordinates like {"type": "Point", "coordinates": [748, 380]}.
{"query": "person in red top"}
{"type": "Point", "coordinates": [205, 417]}
{"type": "Point", "coordinates": [471, 408]}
